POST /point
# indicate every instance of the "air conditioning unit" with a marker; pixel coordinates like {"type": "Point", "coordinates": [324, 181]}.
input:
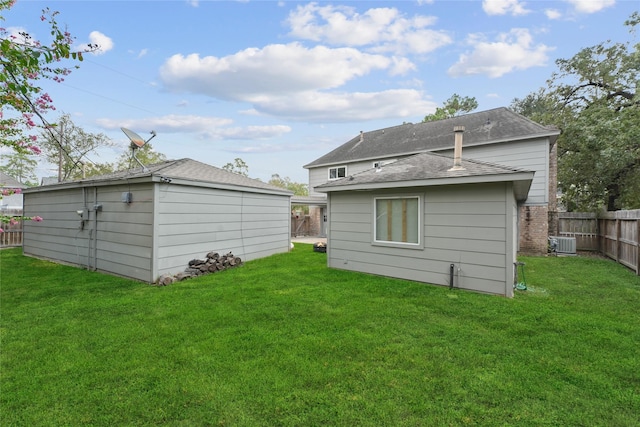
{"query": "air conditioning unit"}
{"type": "Point", "coordinates": [564, 245]}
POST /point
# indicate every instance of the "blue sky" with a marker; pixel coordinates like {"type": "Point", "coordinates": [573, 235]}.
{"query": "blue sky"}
{"type": "Point", "coordinates": [279, 84]}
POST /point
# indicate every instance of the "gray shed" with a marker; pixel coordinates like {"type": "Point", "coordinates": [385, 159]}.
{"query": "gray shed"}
{"type": "Point", "coordinates": [144, 223]}
{"type": "Point", "coordinates": [420, 219]}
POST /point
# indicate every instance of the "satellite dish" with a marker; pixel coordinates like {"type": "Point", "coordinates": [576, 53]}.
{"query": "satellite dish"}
{"type": "Point", "coordinates": [136, 140]}
{"type": "Point", "coordinates": [136, 143]}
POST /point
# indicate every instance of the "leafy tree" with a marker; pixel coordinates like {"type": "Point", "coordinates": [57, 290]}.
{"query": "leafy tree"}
{"type": "Point", "coordinates": [593, 98]}
{"type": "Point", "coordinates": [298, 188]}
{"type": "Point", "coordinates": [21, 166]}
{"type": "Point", "coordinates": [453, 107]}
{"type": "Point", "coordinates": [68, 147]}
{"type": "Point", "coordinates": [238, 166]}
{"type": "Point", "coordinates": [95, 169]}
{"type": "Point", "coordinates": [146, 155]}
{"type": "Point", "coordinates": [24, 61]}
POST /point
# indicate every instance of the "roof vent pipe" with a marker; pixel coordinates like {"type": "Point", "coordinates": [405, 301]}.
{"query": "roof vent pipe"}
{"type": "Point", "coordinates": [457, 150]}
{"type": "Point", "coordinates": [361, 136]}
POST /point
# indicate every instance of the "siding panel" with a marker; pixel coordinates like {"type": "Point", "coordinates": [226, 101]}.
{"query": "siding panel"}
{"type": "Point", "coordinates": [463, 225]}
{"type": "Point", "coordinates": [118, 242]}
{"type": "Point", "coordinates": [531, 155]}
{"type": "Point", "coordinates": [247, 224]}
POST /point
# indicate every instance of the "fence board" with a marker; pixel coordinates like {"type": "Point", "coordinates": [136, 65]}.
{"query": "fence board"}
{"type": "Point", "coordinates": [12, 233]}
{"type": "Point", "coordinates": [582, 226]}
{"type": "Point", "coordinates": [614, 234]}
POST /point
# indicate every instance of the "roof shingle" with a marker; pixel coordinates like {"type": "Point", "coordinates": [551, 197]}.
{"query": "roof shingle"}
{"type": "Point", "coordinates": [491, 126]}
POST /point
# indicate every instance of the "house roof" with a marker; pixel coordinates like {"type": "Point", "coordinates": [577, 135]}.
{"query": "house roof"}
{"type": "Point", "coordinates": [429, 169]}
{"type": "Point", "coordinates": [7, 181]}
{"type": "Point", "coordinates": [485, 127]}
{"type": "Point", "coordinates": [182, 171]}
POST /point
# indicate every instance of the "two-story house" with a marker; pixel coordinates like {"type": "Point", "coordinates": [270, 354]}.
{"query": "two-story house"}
{"type": "Point", "coordinates": [498, 136]}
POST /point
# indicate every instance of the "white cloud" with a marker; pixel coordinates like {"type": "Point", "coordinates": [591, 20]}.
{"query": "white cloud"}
{"type": "Point", "coordinates": [512, 51]}
{"type": "Point", "coordinates": [553, 14]}
{"type": "Point", "coordinates": [377, 30]}
{"type": "Point", "coordinates": [504, 7]}
{"type": "Point", "coordinates": [252, 74]}
{"type": "Point", "coordinates": [590, 6]}
{"type": "Point", "coordinates": [295, 82]}
{"type": "Point", "coordinates": [170, 123]}
{"type": "Point", "coordinates": [247, 132]}
{"type": "Point", "coordinates": [17, 34]}
{"type": "Point", "coordinates": [204, 127]}
{"type": "Point", "coordinates": [323, 107]}
{"type": "Point", "coordinates": [103, 42]}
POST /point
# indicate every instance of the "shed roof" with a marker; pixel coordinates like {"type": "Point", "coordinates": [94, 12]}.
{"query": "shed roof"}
{"type": "Point", "coordinates": [428, 169]}
{"type": "Point", "coordinates": [181, 171]}
{"type": "Point", "coordinates": [484, 127]}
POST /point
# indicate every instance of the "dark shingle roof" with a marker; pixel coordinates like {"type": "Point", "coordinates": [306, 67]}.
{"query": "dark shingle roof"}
{"type": "Point", "coordinates": [185, 170]}
{"type": "Point", "coordinates": [430, 169]}
{"type": "Point", "coordinates": [485, 127]}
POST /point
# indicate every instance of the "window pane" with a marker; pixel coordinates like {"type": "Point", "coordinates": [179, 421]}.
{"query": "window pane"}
{"type": "Point", "coordinates": [332, 173]}
{"type": "Point", "coordinates": [397, 220]}
{"type": "Point", "coordinates": [342, 172]}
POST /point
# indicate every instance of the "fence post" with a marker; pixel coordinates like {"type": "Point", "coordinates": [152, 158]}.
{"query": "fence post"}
{"type": "Point", "coordinates": [617, 239]}
{"type": "Point", "coordinates": [638, 247]}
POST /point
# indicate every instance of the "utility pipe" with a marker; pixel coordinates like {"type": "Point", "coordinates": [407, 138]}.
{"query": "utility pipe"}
{"type": "Point", "coordinates": [451, 267]}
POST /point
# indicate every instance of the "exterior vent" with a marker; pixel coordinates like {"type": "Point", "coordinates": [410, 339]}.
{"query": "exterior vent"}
{"type": "Point", "coordinates": [563, 245]}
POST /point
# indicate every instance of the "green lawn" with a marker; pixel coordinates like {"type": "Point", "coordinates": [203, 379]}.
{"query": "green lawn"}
{"type": "Point", "coordinates": [284, 341]}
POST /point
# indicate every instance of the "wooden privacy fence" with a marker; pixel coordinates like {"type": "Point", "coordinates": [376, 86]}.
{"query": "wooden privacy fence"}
{"type": "Point", "coordinates": [614, 234]}
{"type": "Point", "coordinates": [12, 232]}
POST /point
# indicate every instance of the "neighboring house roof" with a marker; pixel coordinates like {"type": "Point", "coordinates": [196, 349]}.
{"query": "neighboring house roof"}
{"type": "Point", "coordinates": [485, 127]}
{"type": "Point", "coordinates": [48, 180]}
{"type": "Point", "coordinates": [428, 169]}
{"type": "Point", "coordinates": [183, 171]}
{"type": "Point", "coordinates": [7, 181]}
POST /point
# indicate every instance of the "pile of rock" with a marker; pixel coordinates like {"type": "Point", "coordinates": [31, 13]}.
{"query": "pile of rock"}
{"type": "Point", "coordinates": [197, 267]}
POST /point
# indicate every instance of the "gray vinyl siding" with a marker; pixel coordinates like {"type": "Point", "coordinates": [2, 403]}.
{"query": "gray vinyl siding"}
{"type": "Point", "coordinates": [192, 221]}
{"type": "Point", "coordinates": [470, 226]}
{"type": "Point", "coordinates": [125, 231]}
{"type": "Point", "coordinates": [119, 242]}
{"type": "Point", "coordinates": [318, 176]}
{"type": "Point", "coordinates": [530, 155]}
{"type": "Point", "coordinates": [57, 236]}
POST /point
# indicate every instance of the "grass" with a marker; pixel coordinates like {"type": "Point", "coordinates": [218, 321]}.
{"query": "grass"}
{"type": "Point", "coordinates": [284, 341]}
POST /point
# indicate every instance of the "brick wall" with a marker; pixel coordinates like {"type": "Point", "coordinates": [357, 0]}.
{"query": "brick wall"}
{"type": "Point", "coordinates": [534, 229]}
{"type": "Point", "coordinates": [539, 222]}
{"type": "Point", "coordinates": [315, 214]}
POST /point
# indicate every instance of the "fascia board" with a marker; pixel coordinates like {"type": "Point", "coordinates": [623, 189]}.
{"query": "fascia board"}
{"type": "Point", "coordinates": [221, 186]}
{"type": "Point", "coordinates": [88, 183]}
{"type": "Point", "coordinates": [519, 176]}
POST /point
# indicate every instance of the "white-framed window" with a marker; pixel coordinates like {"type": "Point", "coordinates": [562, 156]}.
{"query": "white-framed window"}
{"type": "Point", "coordinates": [337, 172]}
{"type": "Point", "coordinates": [398, 220]}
